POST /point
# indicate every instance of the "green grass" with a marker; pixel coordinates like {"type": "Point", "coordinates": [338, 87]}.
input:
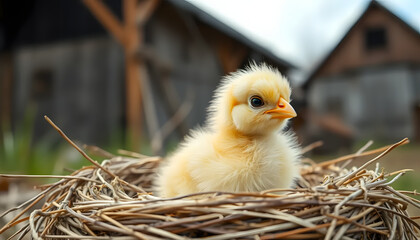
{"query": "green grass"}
{"type": "Point", "coordinates": [20, 153]}
{"type": "Point", "coordinates": [23, 153]}
{"type": "Point", "coordinates": [409, 182]}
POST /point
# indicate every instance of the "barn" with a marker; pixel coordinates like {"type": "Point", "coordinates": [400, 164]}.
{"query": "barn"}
{"type": "Point", "coordinates": [368, 85]}
{"type": "Point", "coordinates": [59, 59]}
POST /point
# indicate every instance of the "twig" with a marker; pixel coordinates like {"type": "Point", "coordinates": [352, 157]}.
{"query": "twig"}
{"type": "Point", "coordinates": [344, 158]}
{"type": "Point", "coordinates": [48, 176]}
{"type": "Point", "coordinates": [5, 227]}
{"type": "Point", "coordinates": [311, 147]}
{"type": "Point", "coordinates": [77, 148]}
{"type": "Point", "coordinates": [404, 141]}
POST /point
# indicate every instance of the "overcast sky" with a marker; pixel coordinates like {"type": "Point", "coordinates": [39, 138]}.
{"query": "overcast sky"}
{"type": "Point", "coordinates": [300, 31]}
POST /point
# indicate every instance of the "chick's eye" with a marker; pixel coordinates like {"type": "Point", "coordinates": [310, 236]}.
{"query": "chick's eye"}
{"type": "Point", "coordinates": [256, 101]}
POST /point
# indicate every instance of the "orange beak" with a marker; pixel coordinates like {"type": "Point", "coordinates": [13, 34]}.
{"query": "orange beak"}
{"type": "Point", "coordinates": [283, 110]}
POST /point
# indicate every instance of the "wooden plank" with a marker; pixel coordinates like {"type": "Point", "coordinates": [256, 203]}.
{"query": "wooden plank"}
{"type": "Point", "coordinates": [145, 9]}
{"type": "Point", "coordinates": [130, 36]}
{"type": "Point", "coordinates": [107, 18]}
{"type": "Point", "coordinates": [133, 87]}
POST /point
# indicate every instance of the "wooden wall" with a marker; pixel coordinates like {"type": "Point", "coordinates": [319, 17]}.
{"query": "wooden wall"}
{"type": "Point", "coordinates": [78, 84]}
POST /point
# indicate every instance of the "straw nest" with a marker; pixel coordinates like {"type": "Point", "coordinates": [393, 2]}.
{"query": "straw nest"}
{"type": "Point", "coordinates": [114, 200]}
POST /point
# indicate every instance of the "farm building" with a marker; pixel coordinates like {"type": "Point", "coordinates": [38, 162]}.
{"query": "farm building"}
{"type": "Point", "coordinates": [368, 86]}
{"type": "Point", "coordinates": [58, 57]}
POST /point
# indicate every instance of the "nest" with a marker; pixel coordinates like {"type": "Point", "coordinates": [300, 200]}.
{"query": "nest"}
{"type": "Point", "coordinates": [114, 200]}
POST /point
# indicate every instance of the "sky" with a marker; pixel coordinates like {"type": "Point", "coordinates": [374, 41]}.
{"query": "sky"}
{"type": "Point", "coordinates": [300, 31]}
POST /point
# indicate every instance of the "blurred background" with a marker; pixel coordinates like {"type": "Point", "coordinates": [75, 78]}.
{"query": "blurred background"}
{"type": "Point", "coordinates": [138, 74]}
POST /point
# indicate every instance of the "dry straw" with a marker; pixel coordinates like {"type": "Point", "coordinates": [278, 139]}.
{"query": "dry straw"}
{"type": "Point", "coordinates": [114, 200]}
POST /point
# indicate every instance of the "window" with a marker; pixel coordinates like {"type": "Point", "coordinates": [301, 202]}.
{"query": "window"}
{"type": "Point", "coordinates": [375, 38]}
{"type": "Point", "coordinates": [41, 85]}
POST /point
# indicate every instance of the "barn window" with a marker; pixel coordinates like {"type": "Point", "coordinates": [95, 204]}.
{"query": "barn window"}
{"type": "Point", "coordinates": [375, 38]}
{"type": "Point", "coordinates": [41, 84]}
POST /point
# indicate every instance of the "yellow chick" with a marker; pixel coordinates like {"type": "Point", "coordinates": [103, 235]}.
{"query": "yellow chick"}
{"type": "Point", "coordinates": [241, 147]}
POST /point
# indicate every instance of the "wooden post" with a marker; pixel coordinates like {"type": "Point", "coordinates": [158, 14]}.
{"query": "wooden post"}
{"type": "Point", "coordinates": [6, 62]}
{"type": "Point", "coordinates": [145, 10]}
{"type": "Point", "coordinates": [107, 19]}
{"type": "Point", "coordinates": [130, 36]}
{"type": "Point", "coordinates": [133, 89]}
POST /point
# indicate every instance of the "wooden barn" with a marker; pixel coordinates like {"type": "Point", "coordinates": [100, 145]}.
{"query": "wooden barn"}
{"type": "Point", "coordinates": [75, 61]}
{"type": "Point", "coordinates": [368, 86]}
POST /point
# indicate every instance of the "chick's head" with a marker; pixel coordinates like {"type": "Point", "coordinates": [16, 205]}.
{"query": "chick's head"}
{"type": "Point", "coordinates": [254, 101]}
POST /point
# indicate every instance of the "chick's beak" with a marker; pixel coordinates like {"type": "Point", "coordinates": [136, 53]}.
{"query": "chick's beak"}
{"type": "Point", "coordinates": [282, 111]}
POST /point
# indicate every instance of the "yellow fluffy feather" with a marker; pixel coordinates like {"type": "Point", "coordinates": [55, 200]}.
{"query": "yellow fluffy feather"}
{"type": "Point", "coordinates": [241, 148]}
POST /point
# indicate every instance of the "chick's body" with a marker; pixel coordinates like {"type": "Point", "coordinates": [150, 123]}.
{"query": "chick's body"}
{"type": "Point", "coordinates": [240, 149]}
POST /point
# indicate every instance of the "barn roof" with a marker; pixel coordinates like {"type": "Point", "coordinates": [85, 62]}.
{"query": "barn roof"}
{"type": "Point", "coordinates": [372, 5]}
{"type": "Point", "coordinates": [21, 25]}
{"type": "Point", "coordinates": [219, 25]}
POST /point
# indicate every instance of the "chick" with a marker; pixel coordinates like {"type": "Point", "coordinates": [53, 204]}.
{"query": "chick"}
{"type": "Point", "coordinates": [241, 147]}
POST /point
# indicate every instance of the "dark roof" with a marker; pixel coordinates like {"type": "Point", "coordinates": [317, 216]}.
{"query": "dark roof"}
{"type": "Point", "coordinates": [372, 4]}
{"type": "Point", "coordinates": [214, 22]}
{"type": "Point", "coordinates": [40, 21]}
{"type": "Point", "coordinates": [44, 21]}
